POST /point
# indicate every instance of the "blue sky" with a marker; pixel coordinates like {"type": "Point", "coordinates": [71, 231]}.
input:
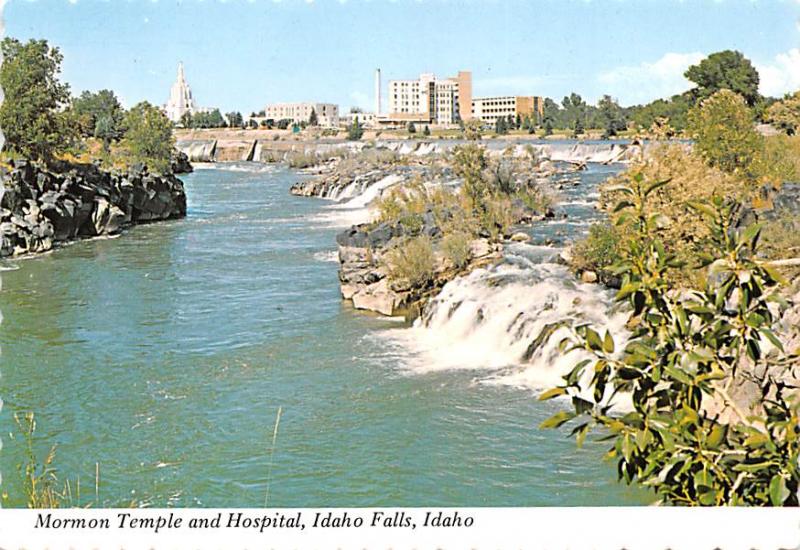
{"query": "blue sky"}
{"type": "Point", "coordinates": [242, 54]}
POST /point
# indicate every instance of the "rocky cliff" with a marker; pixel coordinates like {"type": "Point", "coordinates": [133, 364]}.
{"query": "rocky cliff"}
{"type": "Point", "coordinates": [40, 208]}
{"type": "Point", "coordinates": [365, 280]}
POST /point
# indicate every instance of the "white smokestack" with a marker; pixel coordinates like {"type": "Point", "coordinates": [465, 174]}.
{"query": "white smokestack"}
{"type": "Point", "coordinates": [377, 92]}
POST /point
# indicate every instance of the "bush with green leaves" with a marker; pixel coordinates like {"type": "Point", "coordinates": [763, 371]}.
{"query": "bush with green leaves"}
{"type": "Point", "coordinates": [687, 438]}
{"type": "Point", "coordinates": [722, 127]}
{"type": "Point", "coordinates": [599, 250]}
{"type": "Point", "coordinates": [456, 248]}
{"type": "Point", "coordinates": [785, 114]}
{"type": "Point", "coordinates": [412, 263]}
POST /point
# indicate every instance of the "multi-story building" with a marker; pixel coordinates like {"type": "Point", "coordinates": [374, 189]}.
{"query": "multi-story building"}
{"type": "Point", "coordinates": [327, 113]}
{"type": "Point", "coordinates": [430, 100]}
{"type": "Point", "coordinates": [489, 109]}
{"type": "Point", "coordinates": [367, 120]}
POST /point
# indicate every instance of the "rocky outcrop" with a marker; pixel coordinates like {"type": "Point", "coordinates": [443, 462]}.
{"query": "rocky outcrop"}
{"type": "Point", "coordinates": [40, 208]}
{"type": "Point", "coordinates": [179, 164]}
{"type": "Point", "coordinates": [365, 280]}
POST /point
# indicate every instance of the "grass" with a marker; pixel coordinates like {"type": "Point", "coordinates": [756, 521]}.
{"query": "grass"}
{"type": "Point", "coordinates": [41, 484]}
{"type": "Point", "coordinates": [271, 453]}
{"type": "Point", "coordinates": [412, 262]}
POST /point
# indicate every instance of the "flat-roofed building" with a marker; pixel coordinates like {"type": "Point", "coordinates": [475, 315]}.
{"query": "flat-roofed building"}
{"type": "Point", "coordinates": [367, 120]}
{"type": "Point", "coordinates": [489, 109]}
{"type": "Point", "coordinates": [327, 113]}
{"type": "Point", "coordinates": [430, 100]}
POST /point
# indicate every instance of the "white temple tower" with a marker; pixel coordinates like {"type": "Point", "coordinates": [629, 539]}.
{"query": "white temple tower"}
{"type": "Point", "coordinates": [180, 98]}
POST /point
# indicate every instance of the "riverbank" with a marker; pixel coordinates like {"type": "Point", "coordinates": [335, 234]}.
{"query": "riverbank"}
{"type": "Point", "coordinates": [40, 208]}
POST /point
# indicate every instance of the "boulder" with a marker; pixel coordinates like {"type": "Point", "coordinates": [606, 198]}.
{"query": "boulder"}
{"type": "Point", "coordinates": [520, 237]}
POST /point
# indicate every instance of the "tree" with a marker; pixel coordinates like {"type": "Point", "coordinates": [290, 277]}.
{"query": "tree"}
{"type": "Point", "coordinates": [785, 114]}
{"type": "Point", "coordinates": [612, 117]}
{"type": "Point", "coordinates": [31, 115]}
{"type": "Point", "coordinates": [722, 127]}
{"type": "Point", "coordinates": [518, 122]}
{"type": "Point", "coordinates": [426, 131]}
{"type": "Point", "coordinates": [411, 128]}
{"type": "Point", "coordinates": [355, 131]}
{"type": "Point", "coordinates": [500, 126]}
{"type": "Point", "coordinates": [88, 107]}
{"type": "Point", "coordinates": [99, 115]}
{"type": "Point", "coordinates": [148, 136]}
{"type": "Point", "coordinates": [235, 119]}
{"type": "Point", "coordinates": [675, 110]}
{"type": "Point", "coordinates": [186, 120]}
{"type": "Point", "coordinates": [312, 118]}
{"type": "Point", "coordinates": [725, 70]}
{"type": "Point", "coordinates": [548, 127]}
{"type": "Point", "coordinates": [578, 129]}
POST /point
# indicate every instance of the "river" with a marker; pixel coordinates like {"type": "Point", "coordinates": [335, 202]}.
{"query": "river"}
{"type": "Point", "coordinates": [164, 355]}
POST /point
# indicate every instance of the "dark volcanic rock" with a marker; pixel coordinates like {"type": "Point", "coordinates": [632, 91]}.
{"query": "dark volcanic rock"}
{"type": "Point", "coordinates": [39, 208]}
{"type": "Point", "coordinates": [180, 163]}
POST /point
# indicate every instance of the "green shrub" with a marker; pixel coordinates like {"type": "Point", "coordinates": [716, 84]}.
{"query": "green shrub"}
{"type": "Point", "coordinates": [456, 248]}
{"type": "Point", "coordinates": [722, 127]}
{"type": "Point", "coordinates": [686, 438]}
{"type": "Point", "coordinates": [778, 161]}
{"type": "Point", "coordinates": [599, 250]}
{"type": "Point", "coordinates": [683, 176]}
{"type": "Point", "coordinates": [412, 262]}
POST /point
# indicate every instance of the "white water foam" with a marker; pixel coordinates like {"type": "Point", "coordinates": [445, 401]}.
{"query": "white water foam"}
{"type": "Point", "coordinates": [357, 209]}
{"type": "Point", "coordinates": [327, 256]}
{"type": "Point", "coordinates": [492, 321]}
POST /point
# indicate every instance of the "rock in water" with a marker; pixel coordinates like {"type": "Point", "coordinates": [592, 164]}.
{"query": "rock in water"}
{"type": "Point", "coordinates": [39, 208]}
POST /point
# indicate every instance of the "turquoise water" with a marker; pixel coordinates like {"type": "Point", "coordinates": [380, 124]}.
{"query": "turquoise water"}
{"type": "Point", "coordinates": [165, 354]}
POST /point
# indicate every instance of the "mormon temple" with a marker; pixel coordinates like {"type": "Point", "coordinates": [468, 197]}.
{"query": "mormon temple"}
{"type": "Point", "coordinates": [180, 98]}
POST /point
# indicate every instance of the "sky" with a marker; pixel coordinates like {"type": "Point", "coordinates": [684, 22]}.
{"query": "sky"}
{"type": "Point", "coordinates": [243, 54]}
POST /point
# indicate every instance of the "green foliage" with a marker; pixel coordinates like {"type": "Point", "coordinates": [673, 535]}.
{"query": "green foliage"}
{"type": "Point", "coordinates": [31, 114]}
{"type": "Point", "coordinates": [210, 119]}
{"type": "Point", "coordinates": [722, 127]}
{"type": "Point", "coordinates": [500, 126]}
{"type": "Point", "coordinates": [674, 111]}
{"type": "Point", "coordinates": [235, 119]}
{"type": "Point", "coordinates": [688, 178]}
{"type": "Point", "coordinates": [312, 118]}
{"type": "Point", "coordinates": [612, 117]}
{"type": "Point", "coordinates": [725, 70]}
{"type": "Point", "coordinates": [412, 129]}
{"type": "Point", "coordinates": [148, 136]}
{"type": "Point", "coordinates": [469, 162]}
{"type": "Point", "coordinates": [473, 129]}
{"type": "Point", "coordinates": [456, 248]}
{"type": "Point", "coordinates": [599, 250]}
{"type": "Point", "coordinates": [685, 437]}
{"type": "Point", "coordinates": [426, 131]}
{"type": "Point", "coordinates": [412, 262]}
{"type": "Point", "coordinates": [99, 115]}
{"type": "Point", "coordinates": [785, 114]}
{"type": "Point", "coordinates": [355, 131]}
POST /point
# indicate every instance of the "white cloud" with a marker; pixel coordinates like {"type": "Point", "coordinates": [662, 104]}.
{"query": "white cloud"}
{"type": "Point", "coordinates": [781, 75]}
{"type": "Point", "coordinates": [648, 81]}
